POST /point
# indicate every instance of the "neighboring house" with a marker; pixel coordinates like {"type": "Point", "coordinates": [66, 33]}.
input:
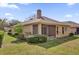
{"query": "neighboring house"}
{"type": "Point", "coordinates": [74, 27]}
{"type": "Point", "coordinates": [42, 25]}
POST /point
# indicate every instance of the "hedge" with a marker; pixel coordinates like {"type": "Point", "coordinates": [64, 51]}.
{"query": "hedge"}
{"type": "Point", "coordinates": [37, 39]}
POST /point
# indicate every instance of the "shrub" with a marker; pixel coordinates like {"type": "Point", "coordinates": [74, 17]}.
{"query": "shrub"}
{"type": "Point", "coordinates": [18, 28]}
{"type": "Point", "coordinates": [1, 37]}
{"type": "Point", "coordinates": [37, 39]}
{"type": "Point", "coordinates": [33, 40]}
{"type": "Point", "coordinates": [10, 32]}
{"type": "Point", "coordinates": [21, 37]}
{"type": "Point", "coordinates": [42, 38]}
{"type": "Point", "coordinates": [71, 34]}
{"type": "Point", "coordinates": [15, 35]}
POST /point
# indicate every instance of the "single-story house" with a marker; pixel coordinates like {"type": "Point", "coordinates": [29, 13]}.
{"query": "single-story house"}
{"type": "Point", "coordinates": [42, 25]}
{"type": "Point", "coordinates": [74, 27]}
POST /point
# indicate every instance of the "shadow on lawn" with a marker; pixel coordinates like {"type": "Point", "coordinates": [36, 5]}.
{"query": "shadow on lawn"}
{"type": "Point", "coordinates": [55, 42]}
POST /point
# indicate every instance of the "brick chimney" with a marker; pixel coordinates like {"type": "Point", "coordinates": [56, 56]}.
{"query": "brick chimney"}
{"type": "Point", "coordinates": [38, 14]}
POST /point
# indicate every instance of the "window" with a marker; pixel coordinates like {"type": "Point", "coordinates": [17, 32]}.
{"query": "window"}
{"type": "Point", "coordinates": [65, 29]}
{"type": "Point", "coordinates": [44, 29]}
{"type": "Point", "coordinates": [35, 29]}
{"type": "Point", "coordinates": [57, 30]}
{"type": "Point", "coordinates": [51, 30]}
{"type": "Point", "coordinates": [62, 30]}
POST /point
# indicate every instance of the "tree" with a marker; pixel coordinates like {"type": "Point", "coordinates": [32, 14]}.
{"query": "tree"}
{"type": "Point", "coordinates": [18, 28]}
{"type": "Point", "coordinates": [13, 22]}
{"type": "Point", "coordinates": [3, 23]}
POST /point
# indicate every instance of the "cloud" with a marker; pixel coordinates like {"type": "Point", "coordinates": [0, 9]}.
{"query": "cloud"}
{"type": "Point", "coordinates": [25, 3]}
{"type": "Point", "coordinates": [11, 17]}
{"type": "Point", "coordinates": [2, 1]}
{"type": "Point", "coordinates": [8, 14]}
{"type": "Point", "coordinates": [68, 15]}
{"type": "Point", "coordinates": [7, 5]}
{"type": "Point", "coordinates": [70, 4]}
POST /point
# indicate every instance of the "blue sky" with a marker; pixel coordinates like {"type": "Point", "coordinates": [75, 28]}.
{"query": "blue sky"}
{"type": "Point", "coordinates": [57, 11]}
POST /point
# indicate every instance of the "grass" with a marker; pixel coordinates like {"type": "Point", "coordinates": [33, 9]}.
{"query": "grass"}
{"type": "Point", "coordinates": [55, 42]}
{"type": "Point", "coordinates": [7, 41]}
{"type": "Point", "coordinates": [68, 45]}
{"type": "Point", "coordinates": [19, 48]}
{"type": "Point", "coordinates": [69, 48]}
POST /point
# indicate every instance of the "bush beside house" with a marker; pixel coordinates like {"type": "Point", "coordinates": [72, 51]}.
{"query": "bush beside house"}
{"type": "Point", "coordinates": [18, 28]}
{"type": "Point", "coordinates": [10, 32]}
{"type": "Point", "coordinates": [71, 34]}
{"type": "Point", "coordinates": [37, 39]}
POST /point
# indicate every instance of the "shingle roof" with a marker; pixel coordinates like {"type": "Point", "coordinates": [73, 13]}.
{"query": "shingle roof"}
{"type": "Point", "coordinates": [71, 23]}
{"type": "Point", "coordinates": [34, 19]}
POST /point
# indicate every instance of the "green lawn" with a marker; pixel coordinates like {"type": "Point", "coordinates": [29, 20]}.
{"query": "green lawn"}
{"type": "Point", "coordinates": [62, 46]}
{"type": "Point", "coordinates": [56, 42]}
{"type": "Point", "coordinates": [71, 47]}
{"type": "Point", "coordinates": [20, 48]}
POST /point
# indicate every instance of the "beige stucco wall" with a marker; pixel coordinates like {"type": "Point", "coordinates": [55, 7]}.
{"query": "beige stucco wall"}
{"type": "Point", "coordinates": [66, 32]}
{"type": "Point", "coordinates": [27, 29]}
{"type": "Point", "coordinates": [73, 30]}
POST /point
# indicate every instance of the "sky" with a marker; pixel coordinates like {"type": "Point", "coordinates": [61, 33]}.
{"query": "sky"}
{"type": "Point", "coordinates": [56, 11]}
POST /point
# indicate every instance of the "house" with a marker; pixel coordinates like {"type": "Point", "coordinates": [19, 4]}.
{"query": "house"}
{"type": "Point", "coordinates": [74, 27]}
{"type": "Point", "coordinates": [42, 25]}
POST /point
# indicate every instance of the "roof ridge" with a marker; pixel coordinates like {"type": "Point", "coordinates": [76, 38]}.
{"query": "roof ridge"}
{"type": "Point", "coordinates": [71, 22]}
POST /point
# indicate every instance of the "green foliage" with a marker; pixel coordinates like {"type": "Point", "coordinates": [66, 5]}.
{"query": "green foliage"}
{"type": "Point", "coordinates": [71, 34]}
{"type": "Point", "coordinates": [37, 39]}
{"type": "Point", "coordinates": [10, 32]}
{"type": "Point", "coordinates": [1, 37]}
{"type": "Point", "coordinates": [33, 40]}
{"type": "Point", "coordinates": [15, 35]}
{"type": "Point", "coordinates": [21, 37]}
{"type": "Point", "coordinates": [1, 34]}
{"type": "Point", "coordinates": [42, 38]}
{"type": "Point", "coordinates": [18, 28]}
{"type": "Point", "coordinates": [68, 48]}
{"type": "Point", "coordinates": [57, 41]}
{"type": "Point", "coordinates": [18, 33]}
